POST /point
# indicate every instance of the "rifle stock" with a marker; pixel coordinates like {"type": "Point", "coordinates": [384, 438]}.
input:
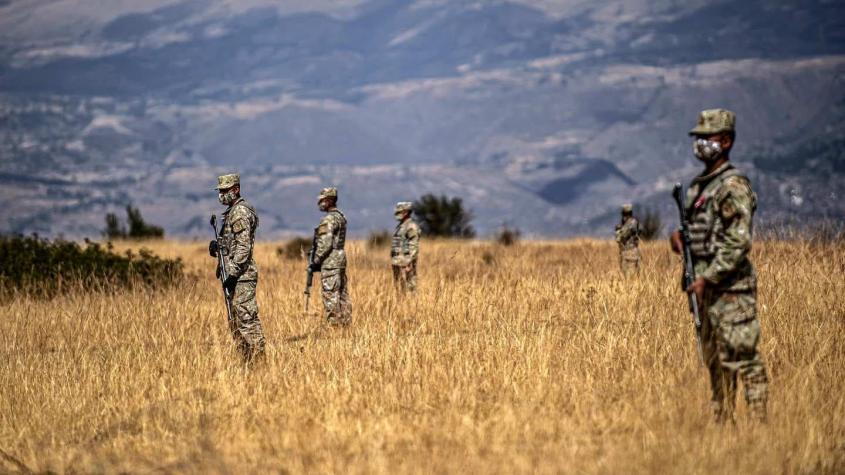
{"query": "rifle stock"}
{"type": "Point", "coordinates": [689, 269]}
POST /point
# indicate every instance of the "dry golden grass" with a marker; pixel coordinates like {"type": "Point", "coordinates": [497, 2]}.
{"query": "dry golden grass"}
{"type": "Point", "coordinates": [535, 358]}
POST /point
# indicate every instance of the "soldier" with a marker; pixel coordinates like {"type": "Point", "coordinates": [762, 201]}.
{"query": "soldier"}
{"type": "Point", "coordinates": [720, 207]}
{"type": "Point", "coordinates": [404, 248]}
{"type": "Point", "coordinates": [628, 238]}
{"type": "Point", "coordinates": [330, 259]}
{"type": "Point", "coordinates": [237, 236]}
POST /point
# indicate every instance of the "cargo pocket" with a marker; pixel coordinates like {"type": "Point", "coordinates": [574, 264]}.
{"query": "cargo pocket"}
{"type": "Point", "coordinates": [244, 301]}
{"type": "Point", "coordinates": [740, 340]}
{"type": "Point", "coordinates": [331, 283]}
{"type": "Point", "coordinates": [734, 307]}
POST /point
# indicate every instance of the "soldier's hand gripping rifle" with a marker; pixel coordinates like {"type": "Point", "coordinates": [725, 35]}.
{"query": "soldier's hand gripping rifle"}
{"type": "Point", "coordinates": [309, 273]}
{"type": "Point", "coordinates": [222, 266]}
{"type": "Point", "coordinates": [689, 269]}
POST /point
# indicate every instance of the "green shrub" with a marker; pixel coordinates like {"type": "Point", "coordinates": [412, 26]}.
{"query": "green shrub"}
{"type": "Point", "coordinates": [138, 228]}
{"type": "Point", "coordinates": [507, 236]}
{"type": "Point", "coordinates": [296, 248]}
{"type": "Point", "coordinates": [114, 230]}
{"type": "Point", "coordinates": [443, 217]}
{"type": "Point", "coordinates": [36, 265]}
{"type": "Point", "coordinates": [651, 226]}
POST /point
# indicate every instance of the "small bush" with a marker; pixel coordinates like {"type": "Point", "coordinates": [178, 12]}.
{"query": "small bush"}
{"type": "Point", "coordinates": [379, 239]}
{"type": "Point", "coordinates": [296, 248]}
{"type": "Point", "coordinates": [114, 230]}
{"type": "Point", "coordinates": [443, 217]}
{"type": "Point", "coordinates": [36, 265]}
{"type": "Point", "coordinates": [650, 225]}
{"type": "Point", "coordinates": [138, 228]}
{"type": "Point", "coordinates": [508, 236]}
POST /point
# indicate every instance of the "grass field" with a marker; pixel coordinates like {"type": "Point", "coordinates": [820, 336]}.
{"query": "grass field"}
{"type": "Point", "coordinates": [532, 358]}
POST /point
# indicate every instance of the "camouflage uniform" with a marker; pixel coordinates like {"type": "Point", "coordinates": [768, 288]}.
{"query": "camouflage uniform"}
{"type": "Point", "coordinates": [237, 236]}
{"type": "Point", "coordinates": [720, 207]}
{"type": "Point", "coordinates": [330, 256]}
{"type": "Point", "coordinates": [404, 249]}
{"type": "Point", "coordinates": [628, 238]}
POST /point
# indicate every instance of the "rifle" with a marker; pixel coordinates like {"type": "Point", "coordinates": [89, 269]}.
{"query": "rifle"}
{"type": "Point", "coordinates": [222, 266]}
{"type": "Point", "coordinates": [309, 273]}
{"type": "Point", "coordinates": [689, 270]}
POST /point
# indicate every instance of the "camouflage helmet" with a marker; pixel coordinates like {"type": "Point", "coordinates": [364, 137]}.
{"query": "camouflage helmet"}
{"type": "Point", "coordinates": [224, 182]}
{"type": "Point", "coordinates": [330, 192]}
{"type": "Point", "coordinates": [403, 206]}
{"type": "Point", "coordinates": [627, 208]}
{"type": "Point", "coordinates": [714, 121]}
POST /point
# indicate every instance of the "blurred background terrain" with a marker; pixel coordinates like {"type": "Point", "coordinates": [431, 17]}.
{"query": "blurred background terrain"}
{"type": "Point", "coordinates": [543, 115]}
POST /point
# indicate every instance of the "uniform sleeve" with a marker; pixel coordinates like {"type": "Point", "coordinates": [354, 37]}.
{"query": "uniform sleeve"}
{"type": "Point", "coordinates": [413, 236]}
{"type": "Point", "coordinates": [736, 208]}
{"type": "Point", "coordinates": [242, 224]}
{"type": "Point", "coordinates": [324, 239]}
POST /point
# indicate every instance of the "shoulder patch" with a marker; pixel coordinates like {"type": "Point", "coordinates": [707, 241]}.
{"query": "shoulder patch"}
{"type": "Point", "coordinates": [239, 225]}
{"type": "Point", "coordinates": [735, 196]}
{"type": "Point", "coordinates": [324, 227]}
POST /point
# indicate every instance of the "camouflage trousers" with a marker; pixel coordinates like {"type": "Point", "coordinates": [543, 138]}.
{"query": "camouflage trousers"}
{"type": "Point", "coordinates": [336, 302]}
{"type": "Point", "coordinates": [245, 326]}
{"type": "Point", "coordinates": [629, 261]}
{"type": "Point", "coordinates": [405, 278]}
{"type": "Point", "coordinates": [730, 333]}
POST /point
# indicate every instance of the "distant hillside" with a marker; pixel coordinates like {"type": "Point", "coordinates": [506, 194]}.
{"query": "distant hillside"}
{"type": "Point", "coordinates": [545, 115]}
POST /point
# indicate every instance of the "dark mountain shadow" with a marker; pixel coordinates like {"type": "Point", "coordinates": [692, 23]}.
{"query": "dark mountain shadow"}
{"type": "Point", "coordinates": [767, 29]}
{"type": "Point", "coordinates": [563, 191]}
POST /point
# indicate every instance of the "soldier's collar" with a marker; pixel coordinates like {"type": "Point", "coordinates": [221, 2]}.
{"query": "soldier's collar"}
{"type": "Point", "coordinates": [700, 178]}
{"type": "Point", "coordinates": [240, 198]}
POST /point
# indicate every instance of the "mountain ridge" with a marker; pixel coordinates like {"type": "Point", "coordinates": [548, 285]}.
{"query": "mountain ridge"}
{"type": "Point", "coordinates": [544, 116]}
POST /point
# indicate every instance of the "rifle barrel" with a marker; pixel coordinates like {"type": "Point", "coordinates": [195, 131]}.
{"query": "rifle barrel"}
{"type": "Point", "coordinates": [689, 268]}
{"type": "Point", "coordinates": [222, 265]}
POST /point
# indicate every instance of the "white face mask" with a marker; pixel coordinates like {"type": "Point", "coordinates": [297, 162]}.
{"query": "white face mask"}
{"type": "Point", "coordinates": [706, 150]}
{"type": "Point", "coordinates": [227, 198]}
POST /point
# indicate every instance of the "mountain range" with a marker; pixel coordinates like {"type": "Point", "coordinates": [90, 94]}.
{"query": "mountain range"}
{"type": "Point", "coordinates": [543, 115]}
